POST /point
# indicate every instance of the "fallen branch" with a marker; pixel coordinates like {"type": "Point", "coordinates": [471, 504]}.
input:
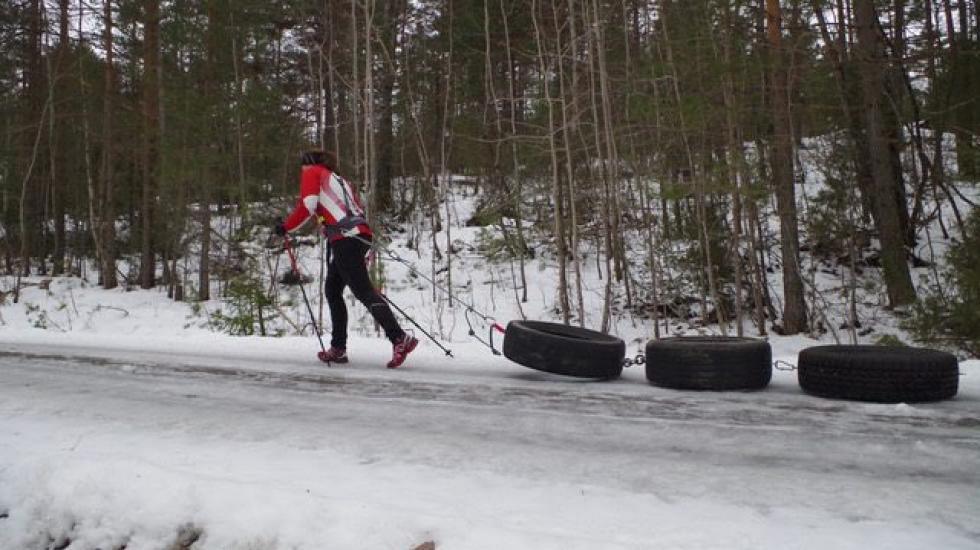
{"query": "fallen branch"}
{"type": "Point", "coordinates": [100, 307]}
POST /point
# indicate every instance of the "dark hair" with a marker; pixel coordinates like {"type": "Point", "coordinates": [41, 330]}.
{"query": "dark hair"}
{"type": "Point", "coordinates": [321, 157]}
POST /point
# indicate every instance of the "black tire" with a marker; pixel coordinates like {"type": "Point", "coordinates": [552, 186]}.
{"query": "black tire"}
{"type": "Point", "coordinates": [562, 349]}
{"type": "Point", "coordinates": [709, 363]}
{"type": "Point", "coordinates": [880, 374]}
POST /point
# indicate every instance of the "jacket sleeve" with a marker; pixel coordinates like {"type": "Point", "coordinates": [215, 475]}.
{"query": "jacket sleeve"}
{"type": "Point", "coordinates": [309, 197]}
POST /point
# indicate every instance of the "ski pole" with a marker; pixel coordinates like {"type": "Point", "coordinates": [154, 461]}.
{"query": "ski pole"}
{"type": "Point", "coordinates": [447, 351]}
{"type": "Point", "coordinates": [302, 288]}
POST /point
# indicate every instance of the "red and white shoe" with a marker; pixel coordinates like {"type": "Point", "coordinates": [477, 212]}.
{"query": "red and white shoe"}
{"type": "Point", "coordinates": [401, 349]}
{"type": "Point", "coordinates": [333, 355]}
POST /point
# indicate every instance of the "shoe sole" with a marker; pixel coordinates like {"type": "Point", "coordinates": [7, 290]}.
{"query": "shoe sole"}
{"type": "Point", "coordinates": [340, 361]}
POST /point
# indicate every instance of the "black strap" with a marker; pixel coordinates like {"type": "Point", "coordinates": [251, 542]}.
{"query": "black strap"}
{"type": "Point", "coordinates": [343, 188]}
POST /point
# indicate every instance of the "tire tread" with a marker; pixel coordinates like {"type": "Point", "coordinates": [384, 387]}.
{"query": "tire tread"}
{"type": "Point", "coordinates": [882, 375]}
{"type": "Point", "coordinates": [709, 363]}
{"type": "Point", "coordinates": [565, 350]}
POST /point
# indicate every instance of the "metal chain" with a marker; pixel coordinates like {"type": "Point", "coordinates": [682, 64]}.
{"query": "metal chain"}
{"type": "Point", "coordinates": [779, 364]}
{"type": "Point", "coordinates": [638, 359]}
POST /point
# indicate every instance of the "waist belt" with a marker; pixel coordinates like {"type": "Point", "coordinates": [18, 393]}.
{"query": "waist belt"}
{"type": "Point", "coordinates": [348, 226]}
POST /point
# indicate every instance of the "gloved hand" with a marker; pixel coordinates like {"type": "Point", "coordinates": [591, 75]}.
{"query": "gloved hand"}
{"type": "Point", "coordinates": [280, 228]}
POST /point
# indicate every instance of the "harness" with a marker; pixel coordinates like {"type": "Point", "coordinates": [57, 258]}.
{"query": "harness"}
{"type": "Point", "coordinates": [348, 226]}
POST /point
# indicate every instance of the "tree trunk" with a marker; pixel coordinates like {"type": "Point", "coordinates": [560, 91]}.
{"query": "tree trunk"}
{"type": "Point", "coordinates": [515, 161]}
{"type": "Point", "coordinates": [569, 127]}
{"type": "Point", "coordinates": [370, 137]}
{"type": "Point", "coordinates": [59, 190]}
{"type": "Point", "coordinates": [330, 118]}
{"type": "Point", "coordinates": [871, 61]}
{"type": "Point", "coordinates": [894, 96]}
{"type": "Point", "coordinates": [106, 193]}
{"type": "Point", "coordinates": [794, 314]}
{"type": "Point", "coordinates": [734, 162]}
{"type": "Point", "coordinates": [151, 139]}
{"type": "Point", "coordinates": [602, 159]}
{"type": "Point", "coordinates": [92, 191]}
{"type": "Point", "coordinates": [445, 150]}
{"type": "Point", "coordinates": [555, 178]}
{"type": "Point", "coordinates": [386, 146]}
{"type": "Point", "coordinates": [239, 137]}
{"type": "Point", "coordinates": [965, 97]}
{"type": "Point", "coordinates": [612, 162]}
{"type": "Point", "coordinates": [30, 195]}
{"type": "Point", "coordinates": [211, 100]}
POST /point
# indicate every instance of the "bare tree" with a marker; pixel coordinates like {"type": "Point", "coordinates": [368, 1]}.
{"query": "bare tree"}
{"type": "Point", "coordinates": [518, 193]}
{"type": "Point", "coordinates": [106, 218]}
{"type": "Point", "coordinates": [151, 140]}
{"type": "Point", "coordinates": [794, 307]}
{"type": "Point", "coordinates": [870, 57]}
{"type": "Point", "coordinates": [555, 177]}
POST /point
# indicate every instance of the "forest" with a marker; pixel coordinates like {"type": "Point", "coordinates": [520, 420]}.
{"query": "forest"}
{"type": "Point", "coordinates": [687, 150]}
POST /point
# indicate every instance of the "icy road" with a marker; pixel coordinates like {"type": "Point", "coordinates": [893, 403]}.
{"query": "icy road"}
{"type": "Point", "coordinates": [108, 448]}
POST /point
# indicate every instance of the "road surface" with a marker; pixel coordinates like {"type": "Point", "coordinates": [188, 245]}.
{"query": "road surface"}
{"type": "Point", "coordinates": [260, 454]}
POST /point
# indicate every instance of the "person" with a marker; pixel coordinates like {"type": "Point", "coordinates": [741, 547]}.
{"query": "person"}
{"type": "Point", "coordinates": [333, 201]}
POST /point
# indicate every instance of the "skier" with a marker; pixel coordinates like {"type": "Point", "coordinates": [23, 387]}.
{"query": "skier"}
{"type": "Point", "coordinates": [332, 200]}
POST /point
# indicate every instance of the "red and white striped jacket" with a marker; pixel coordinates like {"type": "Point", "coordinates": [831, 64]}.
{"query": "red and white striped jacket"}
{"type": "Point", "coordinates": [332, 200]}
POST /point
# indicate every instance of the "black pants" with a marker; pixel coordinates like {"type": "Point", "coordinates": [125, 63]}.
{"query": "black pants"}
{"type": "Point", "coordinates": [347, 268]}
